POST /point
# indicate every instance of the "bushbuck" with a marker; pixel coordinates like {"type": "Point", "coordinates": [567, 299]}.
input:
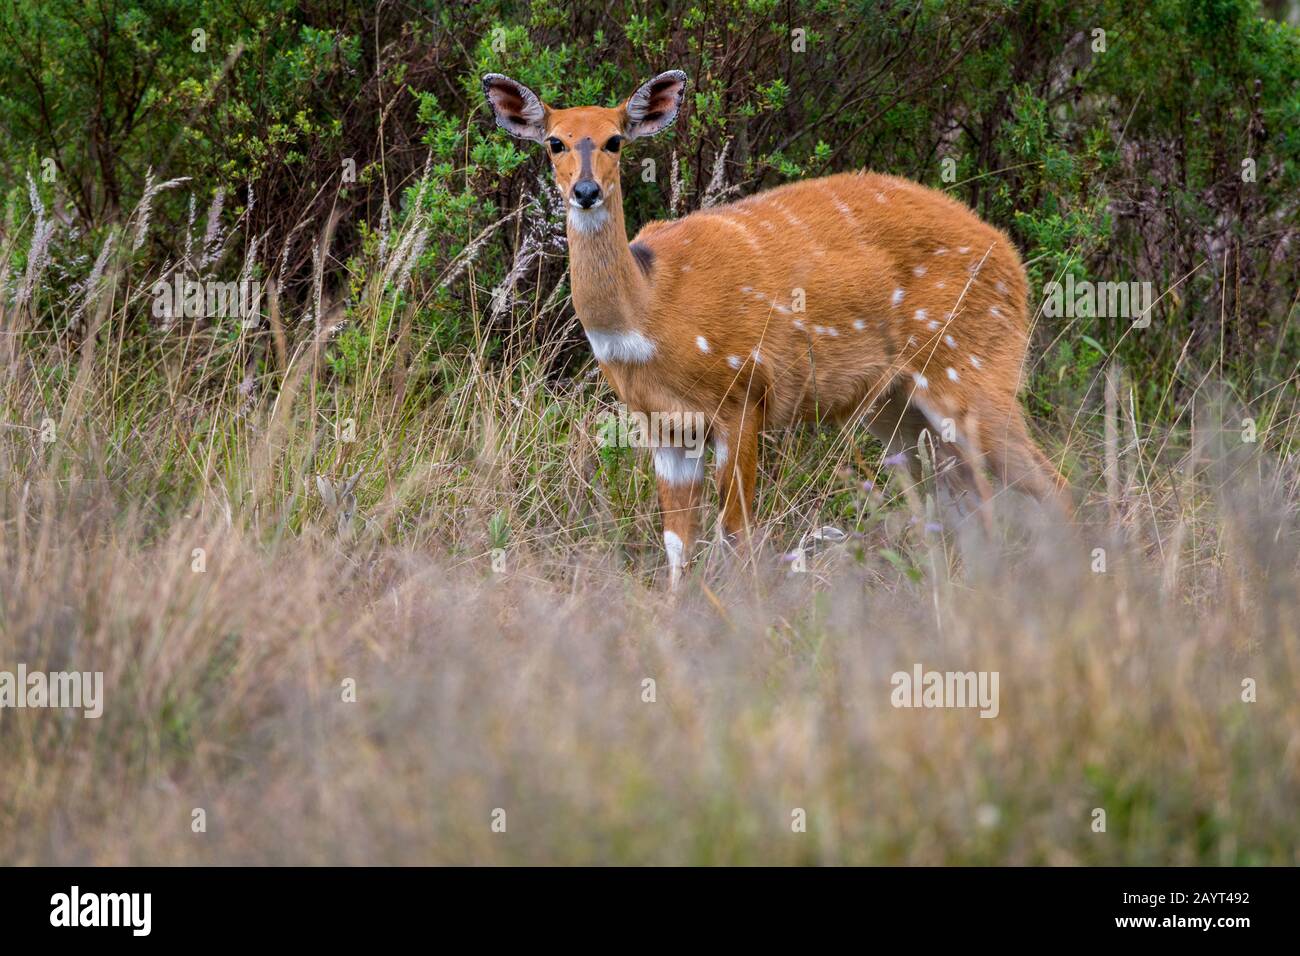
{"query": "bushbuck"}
{"type": "Point", "coordinates": [855, 298]}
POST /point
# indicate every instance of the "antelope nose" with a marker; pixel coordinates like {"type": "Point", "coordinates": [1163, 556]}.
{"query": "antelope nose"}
{"type": "Point", "coordinates": [586, 193]}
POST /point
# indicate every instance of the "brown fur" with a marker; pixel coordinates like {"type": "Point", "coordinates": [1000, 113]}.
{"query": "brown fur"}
{"type": "Point", "coordinates": [734, 275]}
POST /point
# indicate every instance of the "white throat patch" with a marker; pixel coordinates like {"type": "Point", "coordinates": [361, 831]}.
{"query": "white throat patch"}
{"type": "Point", "coordinates": [587, 220]}
{"type": "Point", "coordinates": [630, 347]}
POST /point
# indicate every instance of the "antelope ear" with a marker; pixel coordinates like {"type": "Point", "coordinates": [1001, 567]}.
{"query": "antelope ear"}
{"type": "Point", "coordinates": [517, 109]}
{"type": "Point", "coordinates": [654, 106]}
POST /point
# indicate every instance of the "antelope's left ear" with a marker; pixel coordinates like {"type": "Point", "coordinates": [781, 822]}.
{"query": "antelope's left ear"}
{"type": "Point", "coordinates": [654, 106]}
{"type": "Point", "coordinates": [517, 109]}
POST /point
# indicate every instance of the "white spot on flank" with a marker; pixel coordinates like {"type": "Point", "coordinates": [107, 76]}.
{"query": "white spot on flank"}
{"type": "Point", "coordinates": [963, 249]}
{"type": "Point", "coordinates": [920, 315]}
{"type": "Point", "coordinates": [911, 340]}
{"type": "Point", "coordinates": [941, 251]}
{"type": "Point", "coordinates": [898, 296]}
{"type": "Point", "coordinates": [686, 268]}
{"type": "Point", "coordinates": [630, 347]}
{"type": "Point", "coordinates": [844, 210]}
{"type": "Point", "coordinates": [880, 197]}
{"type": "Point", "coordinates": [932, 325]}
{"type": "Point", "coordinates": [974, 361]}
{"type": "Point", "coordinates": [920, 380]}
{"type": "Point", "coordinates": [1001, 287]}
{"type": "Point", "coordinates": [702, 342]}
{"type": "Point", "coordinates": [798, 324]}
{"type": "Point", "coordinates": [952, 374]}
{"type": "Point", "coordinates": [940, 285]}
{"type": "Point", "coordinates": [749, 239]}
{"type": "Point", "coordinates": [733, 361]}
{"type": "Point", "coordinates": [819, 329]}
{"type": "Point", "coordinates": [757, 356]}
{"type": "Point", "coordinates": [747, 289]}
{"type": "Point", "coordinates": [919, 270]}
{"type": "Point", "coordinates": [859, 324]}
{"type": "Point", "coordinates": [950, 341]}
{"type": "Point", "coordinates": [674, 466]}
{"type": "Point", "coordinates": [995, 312]}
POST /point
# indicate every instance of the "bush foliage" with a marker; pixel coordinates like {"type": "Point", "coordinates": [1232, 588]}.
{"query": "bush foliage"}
{"type": "Point", "coordinates": [1108, 138]}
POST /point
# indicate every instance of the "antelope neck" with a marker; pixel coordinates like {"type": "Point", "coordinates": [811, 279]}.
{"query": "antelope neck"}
{"type": "Point", "coordinates": [609, 290]}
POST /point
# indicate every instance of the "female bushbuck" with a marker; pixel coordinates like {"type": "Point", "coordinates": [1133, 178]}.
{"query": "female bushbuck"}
{"type": "Point", "coordinates": [857, 297]}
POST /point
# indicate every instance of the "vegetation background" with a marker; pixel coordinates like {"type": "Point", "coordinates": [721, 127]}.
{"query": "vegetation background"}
{"type": "Point", "coordinates": [244, 527]}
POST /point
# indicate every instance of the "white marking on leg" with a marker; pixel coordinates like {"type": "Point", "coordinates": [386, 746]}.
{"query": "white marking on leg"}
{"type": "Point", "coordinates": [630, 347]}
{"type": "Point", "coordinates": [676, 556]}
{"type": "Point", "coordinates": [720, 451]}
{"type": "Point", "coordinates": [674, 467]}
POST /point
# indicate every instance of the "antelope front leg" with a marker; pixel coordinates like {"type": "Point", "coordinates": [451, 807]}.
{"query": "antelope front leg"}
{"type": "Point", "coordinates": [735, 455]}
{"type": "Point", "coordinates": [681, 488]}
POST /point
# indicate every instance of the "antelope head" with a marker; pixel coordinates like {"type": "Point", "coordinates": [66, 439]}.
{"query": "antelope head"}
{"type": "Point", "coordinates": [584, 143]}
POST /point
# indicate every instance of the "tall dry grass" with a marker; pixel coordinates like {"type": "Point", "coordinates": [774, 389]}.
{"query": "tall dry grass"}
{"type": "Point", "coordinates": [125, 469]}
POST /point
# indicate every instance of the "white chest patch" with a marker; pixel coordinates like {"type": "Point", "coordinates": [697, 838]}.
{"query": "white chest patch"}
{"type": "Point", "coordinates": [632, 348]}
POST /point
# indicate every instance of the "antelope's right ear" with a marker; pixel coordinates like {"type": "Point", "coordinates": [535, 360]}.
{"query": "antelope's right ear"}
{"type": "Point", "coordinates": [517, 109]}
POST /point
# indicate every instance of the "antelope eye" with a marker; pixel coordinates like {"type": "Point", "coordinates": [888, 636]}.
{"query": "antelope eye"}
{"type": "Point", "coordinates": [615, 142]}
{"type": "Point", "coordinates": [555, 144]}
